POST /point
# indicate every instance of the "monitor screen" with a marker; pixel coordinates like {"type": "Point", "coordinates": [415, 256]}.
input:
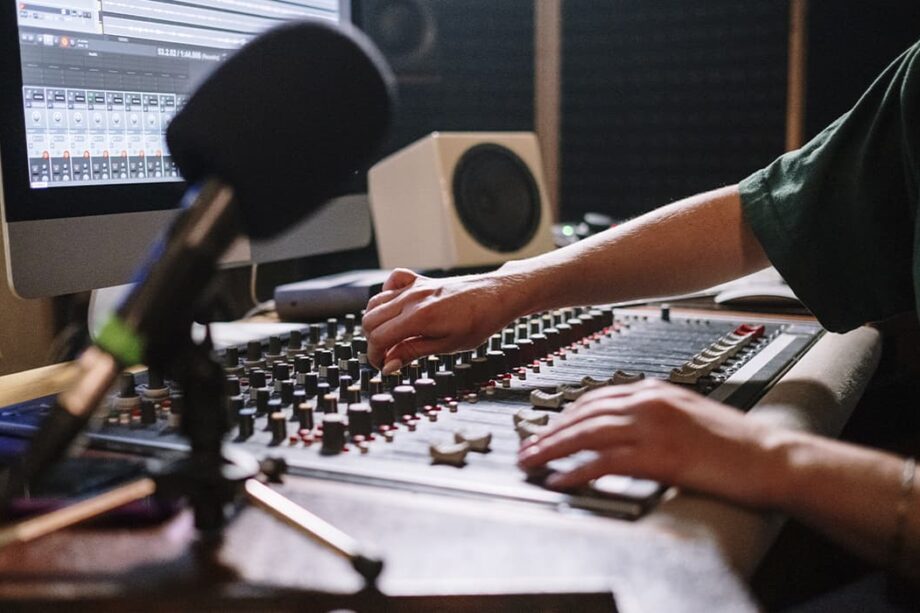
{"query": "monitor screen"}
{"type": "Point", "coordinates": [101, 79]}
{"type": "Point", "coordinates": [89, 87]}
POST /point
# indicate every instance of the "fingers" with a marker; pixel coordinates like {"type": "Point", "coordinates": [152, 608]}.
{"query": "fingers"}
{"type": "Point", "coordinates": [384, 311]}
{"type": "Point", "coordinates": [399, 280]}
{"type": "Point", "coordinates": [410, 349]}
{"type": "Point", "coordinates": [610, 461]}
{"type": "Point", "coordinates": [596, 433]}
{"type": "Point", "coordinates": [411, 323]}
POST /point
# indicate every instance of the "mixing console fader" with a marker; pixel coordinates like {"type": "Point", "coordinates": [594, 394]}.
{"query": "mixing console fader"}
{"type": "Point", "coordinates": [450, 423]}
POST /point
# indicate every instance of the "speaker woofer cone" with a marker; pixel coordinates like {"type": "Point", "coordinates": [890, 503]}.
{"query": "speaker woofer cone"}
{"type": "Point", "coordinates": [496, 197]}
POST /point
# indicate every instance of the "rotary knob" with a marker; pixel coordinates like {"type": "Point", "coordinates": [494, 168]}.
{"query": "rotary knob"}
{"type": "Point", "coordinates": [247, 423]}
{"type": "Point", "coordinates": [305, 416]}
{"type": "Point", "coordinates": [278, 426]}
{"type": "Point", "coordinates": [404, 398]}
{"type": "Point", "coordinates": [382, 409]}
{"type": "Point", "coordinates": [426, 392]}
{"type": "Point", "coordinates": [333, 433]}
{"type": "Point", "coordinates": [359, 420]}
{"type": "Point", "coordinates": [445, 384]}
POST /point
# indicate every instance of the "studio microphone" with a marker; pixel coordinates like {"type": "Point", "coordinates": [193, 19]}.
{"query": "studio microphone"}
{"type": "Point", "coordinates": [268, 137]}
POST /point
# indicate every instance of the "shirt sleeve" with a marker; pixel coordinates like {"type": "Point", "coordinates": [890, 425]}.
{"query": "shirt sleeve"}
{"type": "Point", "coordinates": [837, 217]}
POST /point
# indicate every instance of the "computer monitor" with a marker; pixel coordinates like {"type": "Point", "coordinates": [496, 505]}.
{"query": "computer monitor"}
{"type": "Point", "coordinates": [89, 87]}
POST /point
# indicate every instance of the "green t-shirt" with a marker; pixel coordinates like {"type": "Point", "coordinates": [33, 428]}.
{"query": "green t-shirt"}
{"type": "Point", "coordinates": [838, 217]}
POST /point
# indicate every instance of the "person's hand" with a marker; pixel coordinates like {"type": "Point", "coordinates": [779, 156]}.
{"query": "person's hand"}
{"type": "Point", "coordinates": [659, 431]}
{"type": "Point", "coordinates": [415, 316]}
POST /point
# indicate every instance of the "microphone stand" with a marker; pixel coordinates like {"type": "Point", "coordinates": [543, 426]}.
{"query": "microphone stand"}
{"type": "Point", "coordinates": [214, 479]}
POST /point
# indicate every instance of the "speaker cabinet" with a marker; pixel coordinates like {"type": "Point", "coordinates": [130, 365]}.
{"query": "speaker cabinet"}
{"type": "Point", "coordinates": [461, 199]}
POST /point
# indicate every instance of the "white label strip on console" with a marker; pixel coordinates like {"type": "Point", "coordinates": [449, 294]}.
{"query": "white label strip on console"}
{"type": "Point", "coordinates": [744, 374]}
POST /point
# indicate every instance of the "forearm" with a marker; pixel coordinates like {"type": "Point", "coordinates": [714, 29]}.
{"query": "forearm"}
{"type": "Point", "coordinates": [686, 246]}
{"type": "Point", "coordinates": [850, 493]}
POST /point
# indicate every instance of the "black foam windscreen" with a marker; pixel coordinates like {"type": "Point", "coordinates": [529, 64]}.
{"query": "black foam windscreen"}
{"type": "Point", "coordinates": [286, 121]}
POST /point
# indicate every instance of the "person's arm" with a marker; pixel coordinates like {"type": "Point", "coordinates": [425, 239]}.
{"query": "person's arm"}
{"type": "Point", "coordinates": [670, 434]}
{"type": "Point", "coordinates": [688, 245]}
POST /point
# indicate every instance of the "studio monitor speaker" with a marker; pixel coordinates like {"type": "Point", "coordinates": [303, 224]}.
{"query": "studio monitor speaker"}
{"type": "Point", "coordinates": [461, 199]}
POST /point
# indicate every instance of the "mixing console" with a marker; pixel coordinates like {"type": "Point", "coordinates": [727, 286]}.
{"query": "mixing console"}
{"type": "Point", "coordinates": [449, 423]}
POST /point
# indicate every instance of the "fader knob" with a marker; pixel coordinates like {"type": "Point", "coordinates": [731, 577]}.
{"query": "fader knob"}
{"type": "Point", "coordinates": [425, 392]}
{"type": "Point", "coordinates": [453, 454]}
{"type": "Point", "coordinates": [405, 401]}
{"type": "Point", "coordinates": [359, 420]}
{"type": "Point", "coordinates": [382, 409]}
{"type": "Point", "coordinates": [333, 433]}
{"type": "Point", "coordinates": [478, 440]}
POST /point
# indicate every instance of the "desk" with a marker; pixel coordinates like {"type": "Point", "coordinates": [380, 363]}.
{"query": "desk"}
{"type": "Point", "coordinates": [691, 553]}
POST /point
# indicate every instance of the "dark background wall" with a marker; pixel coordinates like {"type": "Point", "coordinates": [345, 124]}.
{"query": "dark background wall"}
{"type": "Point", "coordinates": [850, 43]}
{"type": "Point", "coordinates": [665, 98]}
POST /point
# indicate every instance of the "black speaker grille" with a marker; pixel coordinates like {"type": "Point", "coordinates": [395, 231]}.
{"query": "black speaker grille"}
{"type": "Point", "coordinates": [496, 197]}
{"type": "Point", "coordinates": [664, 98]}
